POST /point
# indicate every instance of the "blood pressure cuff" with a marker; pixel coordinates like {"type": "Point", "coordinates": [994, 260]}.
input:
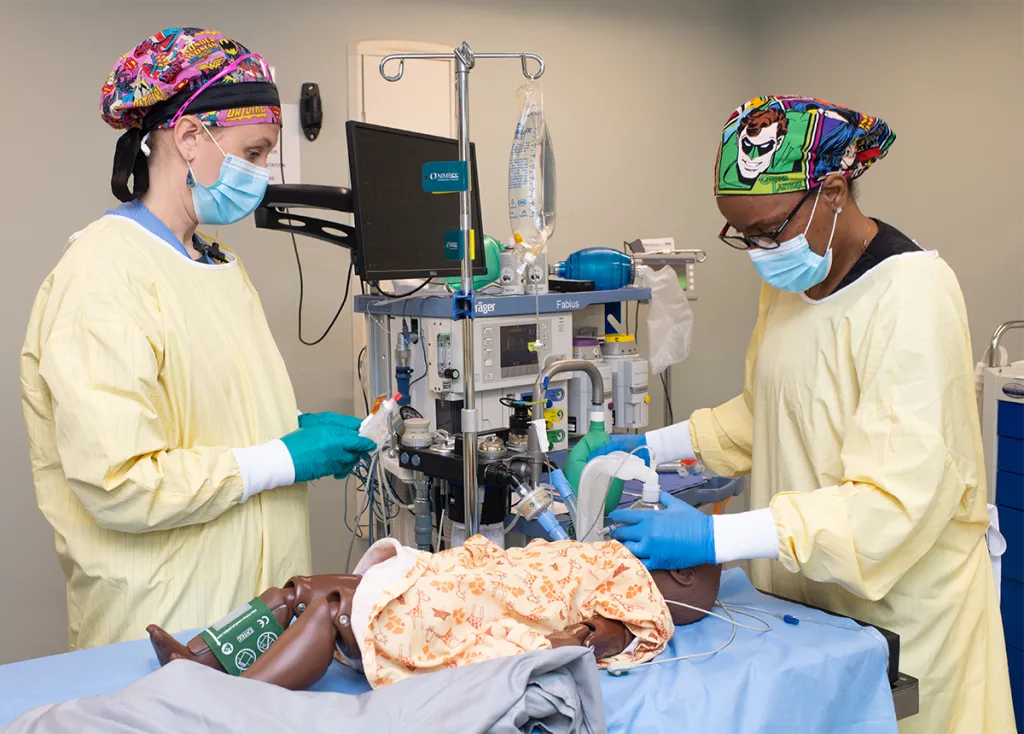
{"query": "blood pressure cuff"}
{"type": "Point", "coordinates": [239, 639]}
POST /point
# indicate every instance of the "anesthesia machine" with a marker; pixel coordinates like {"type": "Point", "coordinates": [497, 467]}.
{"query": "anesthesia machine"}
{"type": "Point", "coordinates": [470, 382]}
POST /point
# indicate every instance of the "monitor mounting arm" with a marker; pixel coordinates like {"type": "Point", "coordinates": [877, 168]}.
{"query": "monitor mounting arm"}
{"type": "Point", "coordinates": [277, 211]}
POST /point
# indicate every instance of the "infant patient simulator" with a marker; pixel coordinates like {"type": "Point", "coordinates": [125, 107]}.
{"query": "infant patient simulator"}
{"type": "Point", "coordinates": [406, 612]}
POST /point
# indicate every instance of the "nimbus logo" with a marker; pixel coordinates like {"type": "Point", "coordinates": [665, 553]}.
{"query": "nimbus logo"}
{"type": "Point", "coordinates": [1013, 390]}
{"type": "Point", "coordinates": [485, 308]}
{"type": "Point", "coordinates": [445, 176]}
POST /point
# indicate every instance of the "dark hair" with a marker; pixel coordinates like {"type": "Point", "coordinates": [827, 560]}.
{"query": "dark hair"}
{"type": "Point", "coordinates": [853, 186]}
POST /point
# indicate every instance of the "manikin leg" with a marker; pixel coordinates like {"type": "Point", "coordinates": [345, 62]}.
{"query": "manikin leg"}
{"type": "Point", "coordinates": [164, 645]}
{"type": "Point", "coordinates": [301, 656]}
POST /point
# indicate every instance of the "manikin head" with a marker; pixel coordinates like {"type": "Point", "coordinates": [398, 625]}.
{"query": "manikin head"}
{"type": "Point", "coordinates": [695, 587]}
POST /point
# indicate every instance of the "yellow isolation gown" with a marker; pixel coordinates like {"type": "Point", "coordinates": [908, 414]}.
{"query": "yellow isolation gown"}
{"type": "Point", "coordinates": [141, 371]}
{"type": "Point", "coordinates": [859, 426]}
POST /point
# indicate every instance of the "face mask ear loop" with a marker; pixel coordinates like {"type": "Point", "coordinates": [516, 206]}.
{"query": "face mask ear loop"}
{"type": "Point", "coordinates": [207, 131]}
{"type": "Point", "coordinates": [832, 234]}
{"type": "Point", "coordinates": [813, 209]}
{"type": "Point", "coordinates": [192, 180]}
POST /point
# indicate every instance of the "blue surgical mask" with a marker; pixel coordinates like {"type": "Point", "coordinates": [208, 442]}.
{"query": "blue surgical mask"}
{"type": "Point", "coordinates": [239, 189]}
{"type": "Point", "coordinates": [793, 266]}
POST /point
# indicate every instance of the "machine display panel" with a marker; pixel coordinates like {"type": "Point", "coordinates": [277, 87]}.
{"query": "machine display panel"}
{"type": "Point", "coordinates": [514, 349]}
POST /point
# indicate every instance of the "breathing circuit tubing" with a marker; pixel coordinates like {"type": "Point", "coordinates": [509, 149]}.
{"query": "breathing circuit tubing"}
{"type": "Point", "coordinates": [604, 497]}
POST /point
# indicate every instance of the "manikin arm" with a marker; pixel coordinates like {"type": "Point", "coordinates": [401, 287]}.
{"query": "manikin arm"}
{"type": "Point", "coordinates": [606, 637]}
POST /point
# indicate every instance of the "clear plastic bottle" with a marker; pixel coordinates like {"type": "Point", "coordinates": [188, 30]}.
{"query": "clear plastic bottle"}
{"type": "Point", "coordinates": [531, 177]}
{"type": "Point", "coordinates": [511, 278]}
{"type": "Point", "coordinates": [650, 498]}
{"type": "Point", "coordinates": [377, 425]}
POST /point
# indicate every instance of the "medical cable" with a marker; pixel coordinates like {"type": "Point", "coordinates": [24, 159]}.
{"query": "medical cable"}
{"type": "Point", "coordinates": [515, 518]}
{"type": "Point", "coordinates": [728, 610]}
{"type": "Point", "coordinates": [382, 479]}
{"type": "Point", "coordinates": [440, 530]}
{"type": "Point", "coordinates": [417, 289]}
{"type": "Point", "coordinates": [792, 619]}
{"type": "Point", "coordinates": [357, 533]}
{"type": "Point", "coordinates": [618, 669]}
{"type": "Point", "coordinates": [359, 374]}
{"type": "Point", "coordinates": [668, 400]}
{"type": "Point", "coordinates": [359, 471]}
{"type": "Point", "coordinates": [302, 288]}
{"type": "Point", "coordinates": [423, 347]}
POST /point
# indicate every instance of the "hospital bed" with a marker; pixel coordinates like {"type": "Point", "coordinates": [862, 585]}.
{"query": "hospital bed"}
{"type": "Point", "coordinates": [822, 674]}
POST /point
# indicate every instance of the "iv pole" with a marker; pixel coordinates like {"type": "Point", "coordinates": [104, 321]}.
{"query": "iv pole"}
{"type": "Point", "coordinates": [465, 60]}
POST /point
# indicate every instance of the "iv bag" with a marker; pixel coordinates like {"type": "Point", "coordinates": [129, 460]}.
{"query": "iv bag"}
{"type": "Point", "coordinates": [531, 177]}
{"type": "Point", "coordinates": [670, 317]}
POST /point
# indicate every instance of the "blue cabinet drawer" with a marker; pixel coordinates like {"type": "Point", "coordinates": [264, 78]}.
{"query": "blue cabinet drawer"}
{"type": "Point", "coordinates": [1011, 525]}
{"type": "Point", "coordinates": [1011, 455]}
{"type": "Point", "coordinates": [1015, 659]}
{"type": "Point", "coordinates": [1011, 605]}
{"type": "Point", "coordinates": [1011, 419]}
{"type": "Point", "coordinates": [1010, 490]}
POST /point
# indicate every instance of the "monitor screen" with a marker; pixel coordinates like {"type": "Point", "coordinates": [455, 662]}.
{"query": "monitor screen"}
{"type": "Point", "coordinates": [400, 228]}
{"type": "Point", "coordinates": [516, 352]}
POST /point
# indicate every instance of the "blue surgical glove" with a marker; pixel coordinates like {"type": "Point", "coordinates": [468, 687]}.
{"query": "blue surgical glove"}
{"type": "Point", "coordinates": [321, 450]}
{"type": "Point", "coordinates": [679, 537]}
{"type": "Point", "coordinates": [624, 442]}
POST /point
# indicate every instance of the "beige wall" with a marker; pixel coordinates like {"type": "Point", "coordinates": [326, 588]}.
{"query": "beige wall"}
{"type": "Point", "coordinates": [634, 102]}
{"type": "Point", "coordinates": [635, 98]}
{"type": "Point", "coordinates": [949, 78]}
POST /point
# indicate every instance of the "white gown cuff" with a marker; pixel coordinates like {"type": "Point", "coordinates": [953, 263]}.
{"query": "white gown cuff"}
{"type": "Point", "coordinates": [745, 535]}
{"type": "Point", "coordinates": [263, 467]}
{"type": "Point", "coordinates": [671, 443]}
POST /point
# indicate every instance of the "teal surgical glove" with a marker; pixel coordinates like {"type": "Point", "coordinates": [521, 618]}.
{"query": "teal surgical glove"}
{"type": "Point", "coordinates": [321, 450]}
{"type": "Point", "coordinates": [679, 537]}
{"type": "Point", "coordinates": [624, 442]}
{"type": "Point", "coordinates": [306, 420]}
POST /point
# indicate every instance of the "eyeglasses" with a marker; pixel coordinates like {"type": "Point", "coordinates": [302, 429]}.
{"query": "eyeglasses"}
{"type": "Point", "coordinates": [767, 241]}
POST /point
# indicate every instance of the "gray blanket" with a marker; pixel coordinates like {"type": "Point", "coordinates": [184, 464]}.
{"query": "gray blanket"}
{"type": "Point", "coordinates": [553, 691]}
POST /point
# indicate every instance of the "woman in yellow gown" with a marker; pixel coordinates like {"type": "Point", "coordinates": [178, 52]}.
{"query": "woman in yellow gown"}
{"type": "Point", "coordinates": [167, 451]}
{"type": "Point", "coordinates": [857, 422]}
